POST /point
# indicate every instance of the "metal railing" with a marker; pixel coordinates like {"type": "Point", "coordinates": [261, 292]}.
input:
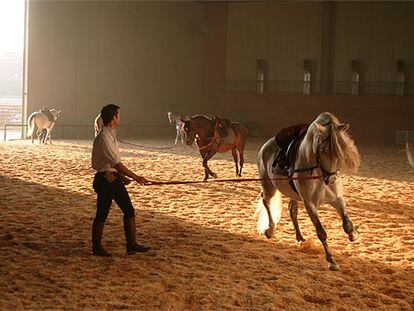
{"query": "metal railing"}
{"type": "Point", "coordinates": [335, 87]}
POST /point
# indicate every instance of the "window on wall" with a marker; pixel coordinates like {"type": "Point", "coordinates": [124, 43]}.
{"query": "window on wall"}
{"type": "Point", "coordinates": [11, 67]}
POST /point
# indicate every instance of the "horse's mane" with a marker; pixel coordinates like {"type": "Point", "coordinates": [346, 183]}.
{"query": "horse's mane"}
{"type": "Point", "coordinates": [339, 145]}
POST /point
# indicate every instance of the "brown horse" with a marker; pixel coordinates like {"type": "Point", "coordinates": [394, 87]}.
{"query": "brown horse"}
{"type": "Point", "coordinates": [210, 139]}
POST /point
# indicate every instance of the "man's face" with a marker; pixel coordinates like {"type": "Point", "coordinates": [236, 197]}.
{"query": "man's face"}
{"type": "Point", "coordinates": [117, 118]}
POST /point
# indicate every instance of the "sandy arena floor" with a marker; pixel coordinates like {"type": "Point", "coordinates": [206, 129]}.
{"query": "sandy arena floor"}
{"type": "Point", "coordinates": [205, 252]}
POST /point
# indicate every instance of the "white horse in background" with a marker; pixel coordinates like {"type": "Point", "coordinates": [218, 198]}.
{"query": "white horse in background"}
{"type": "Point", "coordinates": [175, 119]}
{"type": "Point", "coordinates": [410, 151]}
{"type": "Point", "coordinates": [98, 124]}
{"type": "Point", "coordinates": [43, 123]}
{"type": "Point", "coordinates": [324, 149]}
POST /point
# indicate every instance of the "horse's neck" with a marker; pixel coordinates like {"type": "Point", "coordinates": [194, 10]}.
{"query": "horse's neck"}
{"type": "Point", "coordinates": [307, 158]}
{"type": "Point", "coordinates": [205, 129]}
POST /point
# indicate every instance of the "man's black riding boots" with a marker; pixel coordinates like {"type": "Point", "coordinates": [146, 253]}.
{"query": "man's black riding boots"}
{"type": "Point", "coordinates": [97, 249]}
{"type": "Point", "coordinates": [132, 246]}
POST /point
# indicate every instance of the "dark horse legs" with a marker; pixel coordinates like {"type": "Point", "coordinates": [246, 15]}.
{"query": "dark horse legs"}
{"type": "Point", "coordinates": [207, 155]}
{"type": "Point", "coordinates": [236, 160]}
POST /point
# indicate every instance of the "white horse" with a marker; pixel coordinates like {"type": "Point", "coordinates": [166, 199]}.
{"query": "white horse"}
{"type": "Point", "coordinates": [98, 124]}
{"type": "Point", "coordinates": [410, 151]}
{"type": "Point", "coordinates": [175, 119]}
{"type": "Point", "coordinates": [325, 149]}
{"type": "Point", "coordinates": [42, 122]}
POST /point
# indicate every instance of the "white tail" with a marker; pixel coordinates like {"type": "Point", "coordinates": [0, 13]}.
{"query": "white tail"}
{"type": "Point", "coordinates": [30, 126]}
{"type": "Point", "coordinates": [410, 152]}
{"type": "Point", "coordinates": [275, 207]}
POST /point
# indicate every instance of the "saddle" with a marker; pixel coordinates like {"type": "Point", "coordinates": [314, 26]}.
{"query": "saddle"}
{"type": "Point", "coordinates": [288, 140]}
{"type": "Point", "coordinates": [221, 127]}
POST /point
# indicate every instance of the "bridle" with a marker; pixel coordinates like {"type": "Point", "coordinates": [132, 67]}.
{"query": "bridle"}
{"type": "Point", "coordinates": [325, 173]}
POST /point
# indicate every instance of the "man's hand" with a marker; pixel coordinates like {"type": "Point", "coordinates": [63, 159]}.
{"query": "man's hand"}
{"type": "Point", "coordinates": [125, 180]}
{"type": "Point", "coordinates": [141, 180]}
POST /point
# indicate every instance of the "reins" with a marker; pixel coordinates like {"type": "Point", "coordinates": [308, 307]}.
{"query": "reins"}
{"type": "Point", "coordinates": [146, 147]}
{"type": "Point", "coordinates": [235, 180]}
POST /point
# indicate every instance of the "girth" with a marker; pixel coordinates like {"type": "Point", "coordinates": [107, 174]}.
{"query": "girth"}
{"type": "Point", "coordinates": [288, 139]}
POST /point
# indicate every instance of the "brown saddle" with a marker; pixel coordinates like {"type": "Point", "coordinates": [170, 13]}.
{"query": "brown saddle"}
{"type": "Point", "coordinates": [288, 140]}
{"type": "Point", "coordinates": [221, 126]}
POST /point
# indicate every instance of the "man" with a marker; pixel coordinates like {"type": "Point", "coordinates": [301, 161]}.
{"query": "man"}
{"type": "Point", "coordinates": [109, 183]}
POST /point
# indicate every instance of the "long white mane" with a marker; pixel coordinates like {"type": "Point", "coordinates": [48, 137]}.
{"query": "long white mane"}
{"type": "Point", "coordinates": [337, 145]}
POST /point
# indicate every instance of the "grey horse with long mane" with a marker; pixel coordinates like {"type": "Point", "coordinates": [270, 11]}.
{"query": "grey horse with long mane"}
{"type": "Point", "coordinates": [324, 150]}
{"type": "Point", "coordinates": [44, 120]}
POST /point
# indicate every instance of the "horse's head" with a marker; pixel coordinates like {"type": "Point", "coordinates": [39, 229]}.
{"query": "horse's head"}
{"type": "Point", "coordinates": [331, 138]}
{"type": "Point", "coordinates": [189, 131]}
{"type": "Point", "coordinates": [170, 115]}
{"type": "Point", "coordinates": [56, 113]}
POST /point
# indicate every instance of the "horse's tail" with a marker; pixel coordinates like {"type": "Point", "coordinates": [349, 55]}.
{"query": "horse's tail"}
{"type": "Point", "coordinates": [30, 126]}
{"type": "Point", "coordinates": [410, 152]}
{"type": "Point", "coordinates": [275, 207]}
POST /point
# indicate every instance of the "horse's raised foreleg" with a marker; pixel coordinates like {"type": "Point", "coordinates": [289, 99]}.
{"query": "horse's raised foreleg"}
{"type": "Point", "coordinates": [236, 160]}
{"type": "Point", "coordinates": [293, 211]}
{"type": "Point", "coordinates": [313, 214]}
{"type": "Point", "coordinates": [349, 228]}
{"type": "Point", "coordinates": [207, 172]}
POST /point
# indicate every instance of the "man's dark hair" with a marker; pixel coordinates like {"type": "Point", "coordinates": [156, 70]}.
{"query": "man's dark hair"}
{"type": "Point", "coordinates": [108, 112]}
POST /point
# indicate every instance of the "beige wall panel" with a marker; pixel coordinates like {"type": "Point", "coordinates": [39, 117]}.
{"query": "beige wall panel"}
{"type": "Point", "coordinates": [146, 57]}
{"type": "Point", "coordinates": [373, 119]}
{"type": "Point", "coordinates": [375, 33]}
{"type": "Point", "coordinates": [283, 33]}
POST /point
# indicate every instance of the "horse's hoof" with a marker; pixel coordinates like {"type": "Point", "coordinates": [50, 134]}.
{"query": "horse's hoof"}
{"type": "Point", "coordinates": [269, 233]}
{"type": "Point", "coordinates": [333, 267]}
{"type": "Point", "coordinates": [354, 236]}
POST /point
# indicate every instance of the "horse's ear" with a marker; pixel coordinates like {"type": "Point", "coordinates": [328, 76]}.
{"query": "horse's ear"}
{"type": "Point", "coordinates": [343, 127]}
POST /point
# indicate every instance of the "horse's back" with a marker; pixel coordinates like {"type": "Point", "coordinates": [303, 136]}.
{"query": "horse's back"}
{"type": "Point", "coordinates": [240, 129]}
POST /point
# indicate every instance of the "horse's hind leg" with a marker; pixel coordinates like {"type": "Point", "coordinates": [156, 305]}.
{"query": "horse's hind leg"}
{"type": "Point", "coordinates": [267, 194]}
{"type": "Point", "coordinates": [293, 211]}
{"type": "Point", "coordinates": [240, 148]}
{"type": "Point", "coordinates": [349, 228]}
{"type": "Point", "coordinates": [182, 136]}
{"type": "Point", "coordinates": [313, 214]}
{"type": "Point", "coordinates": [236, 159]}
{"type": "Point", "coordinates": [176, 137]}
